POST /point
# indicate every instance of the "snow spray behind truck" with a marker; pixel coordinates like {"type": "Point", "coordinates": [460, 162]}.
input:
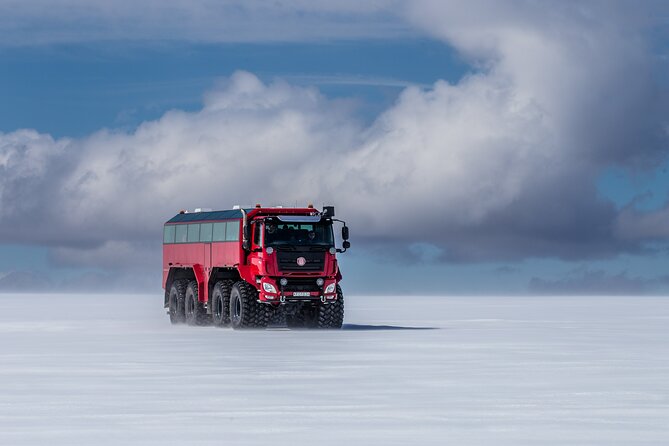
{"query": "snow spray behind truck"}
{"type": "Point", "coordinates": [245, 267]}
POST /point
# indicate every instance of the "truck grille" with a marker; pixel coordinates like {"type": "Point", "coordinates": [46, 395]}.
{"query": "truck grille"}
{"type": "Point", "coordinates": [300, 284]}
{"type": "Point", "coordinates": [287, 260]}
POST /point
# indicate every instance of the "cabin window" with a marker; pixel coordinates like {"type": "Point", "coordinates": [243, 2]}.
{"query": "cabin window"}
{"type": "Point", "coordinates": [205, 232]}
{"type": "Point", "coordinates": [181, 234]}
{"type": "Point", "coordinates": [219, 232]}
{"type": "Point", "coordinates": [232, 231]}
{"type": "Point", "coordinates": [168, 234]}
{"type": "Point", "coordinates": [194, 232]}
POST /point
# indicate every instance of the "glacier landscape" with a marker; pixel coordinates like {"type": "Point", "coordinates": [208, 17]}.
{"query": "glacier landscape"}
{"type": "Point", "coordinates": [110, 369]}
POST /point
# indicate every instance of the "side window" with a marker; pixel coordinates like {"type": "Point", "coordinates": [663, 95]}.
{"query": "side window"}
{"type": "Point", "coordinates": [219, 232]}
{"type": "Point", "coordinates": [194, 232]}
{"type": "Point", "coordinates": [256, 234]}
{"type": "Point", "coordinates": [168, 234]}
{"type": "Point", "coordinates": [232, 231]}
{"type": "Point", "coordinates": [182, 233]}
{"type": "Point", "coordinates": [205, 232]}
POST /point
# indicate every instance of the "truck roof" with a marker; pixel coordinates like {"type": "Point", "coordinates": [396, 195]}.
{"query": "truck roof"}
{"type": "Point", "coordinates": [231, 214]}
{"type": "Point", "coordinates": [213, 215]}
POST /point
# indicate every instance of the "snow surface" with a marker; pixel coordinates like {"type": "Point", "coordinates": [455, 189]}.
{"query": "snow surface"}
{"type": "Point", "coordinates": [111, 370]}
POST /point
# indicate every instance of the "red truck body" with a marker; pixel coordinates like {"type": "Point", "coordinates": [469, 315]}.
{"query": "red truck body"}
{"type": "Point", "coordinates": [206, 248]}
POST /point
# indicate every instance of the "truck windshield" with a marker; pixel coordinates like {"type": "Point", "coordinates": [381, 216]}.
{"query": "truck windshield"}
{"type": "Point", "coordinates": [298, 233]}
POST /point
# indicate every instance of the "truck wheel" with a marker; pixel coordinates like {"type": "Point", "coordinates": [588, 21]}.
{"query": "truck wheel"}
{"type": "Point", "coordinates": [176, 301]}
{"type": "Point", "coordinates": [332, 314]}
{"type": "Point", "coordinates": [220, 303]}
{"type": "Point", "coordinates": [245, 310]}
{"type": "Point", "coordinates": [195, 312]}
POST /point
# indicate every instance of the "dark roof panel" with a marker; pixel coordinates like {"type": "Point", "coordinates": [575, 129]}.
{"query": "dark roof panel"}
{"type": "Point", "coordinates": [207, 216]}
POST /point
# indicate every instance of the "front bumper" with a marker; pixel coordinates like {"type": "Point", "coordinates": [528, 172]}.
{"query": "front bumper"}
{"type": "Point", "coordinates": [284, 295]}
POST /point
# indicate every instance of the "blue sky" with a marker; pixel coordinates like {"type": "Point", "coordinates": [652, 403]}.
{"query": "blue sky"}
{"type": "Point", "coordinates": [123, 84]}
{"type": "Point", "coordinates": [512, 190]}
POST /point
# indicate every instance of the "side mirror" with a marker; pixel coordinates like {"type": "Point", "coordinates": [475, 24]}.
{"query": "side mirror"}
{"type": "Point", "coordinates": [344, 232]}
{"type": "Point", "coordinates": [346, 244]}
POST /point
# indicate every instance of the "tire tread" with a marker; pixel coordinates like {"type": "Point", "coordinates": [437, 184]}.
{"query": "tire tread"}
{"type": "Point", "coordinates": [332, 315]}
{"type": "Point", "coordinates": [254, 314]}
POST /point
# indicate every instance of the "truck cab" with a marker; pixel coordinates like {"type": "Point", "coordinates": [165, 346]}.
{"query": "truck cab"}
{"type": "Point", "coordinates": [294, 257]}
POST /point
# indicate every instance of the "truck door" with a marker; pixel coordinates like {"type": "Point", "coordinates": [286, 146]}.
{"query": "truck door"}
{"type": "Point", "coordinates": [254, 257]}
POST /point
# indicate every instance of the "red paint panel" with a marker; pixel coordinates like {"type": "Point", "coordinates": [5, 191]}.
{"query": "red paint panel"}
{"type": "Point", "coordinates": [225, 254]}
{"type": "Point", "coordinates": [206, 247]}
{"type": "Point", "coordinates": [183, 253]}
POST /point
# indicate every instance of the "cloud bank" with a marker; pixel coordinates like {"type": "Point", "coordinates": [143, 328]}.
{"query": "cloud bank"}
{"type": "Point", "coordinates": [584, 281]}
{"type": "Point", "coordinates": [501, 165]}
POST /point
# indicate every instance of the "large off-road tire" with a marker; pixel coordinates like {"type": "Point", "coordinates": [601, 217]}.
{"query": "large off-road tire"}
{"type": "Point", "coordinates": [194, 310]}
{"type": "Point", "coordinates": [332, 315]}
{"type": "Point", "coordinates": [220, 303]}
{"type": "Point", "coordinates": [176, 300]}
{"type": "Point", "coordinates": [245, 310]}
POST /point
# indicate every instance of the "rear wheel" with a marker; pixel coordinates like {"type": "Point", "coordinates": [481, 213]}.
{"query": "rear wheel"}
{"type": "Point", "coordinates": [332, 315]}
{"type": "Point", "coordinates": [245, 310]}
{"type": "Point", "coordinates": [194, 309]}
{"type": "Point", "coordinates": [176, 301]}
{"type": "Point", "coordinates": [220, 303]}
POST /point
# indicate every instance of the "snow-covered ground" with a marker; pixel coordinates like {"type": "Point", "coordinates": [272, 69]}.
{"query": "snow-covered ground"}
{"type": "Point", "coordinates": [111, 370]}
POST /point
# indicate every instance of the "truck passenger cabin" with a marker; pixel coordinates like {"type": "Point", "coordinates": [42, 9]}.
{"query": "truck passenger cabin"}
{"type": "Point", "coordinates": [247, 267]}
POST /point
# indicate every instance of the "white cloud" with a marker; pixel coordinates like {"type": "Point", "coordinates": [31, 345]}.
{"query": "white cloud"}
{"type": "Point", "coordinates": [500, 165]}
{"type": "Point", "coordinates": [249, 142]}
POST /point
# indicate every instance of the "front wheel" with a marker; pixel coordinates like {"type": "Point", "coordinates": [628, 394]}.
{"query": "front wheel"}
{"type": "Point", "coordinates": [332, 315]}
{"type": "Point", "coordinates": [245, 310]}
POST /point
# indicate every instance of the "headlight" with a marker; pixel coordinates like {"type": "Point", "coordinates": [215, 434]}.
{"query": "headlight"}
{"type": "Point", "coordinates": [319, 282]}
{"type": "Point", "coordinates": [269, 250]}
{"type": "Point", "coordinates": [268, 287]}
{"type": "Point", "coordinates": [283, 281]}
{"type": "Point", "coordinates": [333, 251]}
{"type": "Point", "coordinates": [331, 288]}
